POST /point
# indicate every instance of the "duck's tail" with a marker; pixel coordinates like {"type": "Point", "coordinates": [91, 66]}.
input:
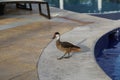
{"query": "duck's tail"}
{"type": "Point", "coordinates": [76, 49]}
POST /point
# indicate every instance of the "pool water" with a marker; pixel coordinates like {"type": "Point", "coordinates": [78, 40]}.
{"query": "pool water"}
{"type": "Point", "coordinates": [87, 6]}
{"type": "Point", "coordinates": [108, 55]}
{"type": "Point", "coordinates": [110, 62]}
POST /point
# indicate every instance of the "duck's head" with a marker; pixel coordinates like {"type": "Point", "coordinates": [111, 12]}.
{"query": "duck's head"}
{"type": "Point", "coordinates": [56, 35]}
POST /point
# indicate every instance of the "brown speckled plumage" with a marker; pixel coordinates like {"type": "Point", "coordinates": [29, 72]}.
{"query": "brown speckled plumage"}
{"type": "Point", "coordinates": [65, 47]}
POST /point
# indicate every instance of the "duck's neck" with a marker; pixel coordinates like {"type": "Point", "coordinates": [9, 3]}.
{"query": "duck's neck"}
{"type": "Point", "coordinates": [58, 38]}
{"type": "Point", "coordinates": [58, 42]}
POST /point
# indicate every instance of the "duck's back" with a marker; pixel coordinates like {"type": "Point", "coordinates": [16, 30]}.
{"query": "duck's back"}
{"type": "Point", "coordinates": [67, 47]}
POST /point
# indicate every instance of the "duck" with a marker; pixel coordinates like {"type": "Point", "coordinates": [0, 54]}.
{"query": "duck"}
{"type": "Point", "coordinates": [65, 47]}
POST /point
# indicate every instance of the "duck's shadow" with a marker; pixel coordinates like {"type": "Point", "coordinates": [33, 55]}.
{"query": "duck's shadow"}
{"type": "Point", "coordinates": [83, 48]}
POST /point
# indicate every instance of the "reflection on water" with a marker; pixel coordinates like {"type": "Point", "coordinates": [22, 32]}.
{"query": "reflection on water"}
{"type": "Point", "coordinates": [99, 5]}
{"type": "Point", "coordinates": [87, 6]}
{"type": "Point", "coordinates": [61, 4]}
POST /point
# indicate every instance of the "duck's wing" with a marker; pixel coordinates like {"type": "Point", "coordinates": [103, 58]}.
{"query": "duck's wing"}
{"type": "Point", "coordinates": [68, 45]}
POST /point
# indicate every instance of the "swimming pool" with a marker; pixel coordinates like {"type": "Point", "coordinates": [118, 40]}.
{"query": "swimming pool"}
{"type": "Point", "coordinates": [87, 6]}
{"type": "Point", "coordinates": [107, 53]}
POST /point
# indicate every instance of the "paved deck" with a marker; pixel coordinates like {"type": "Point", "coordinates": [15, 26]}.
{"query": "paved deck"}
{"type": "Point", "coordinates": [82, 65]}
{"type": "Point", "coordinates": [23, 38]}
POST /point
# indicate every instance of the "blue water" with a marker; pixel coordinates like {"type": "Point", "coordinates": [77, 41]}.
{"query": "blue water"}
{"type": "Point", "coordinates": [87, 6]}
{"type": "Point", "coordinates": [108, 57]}
{"type": "Point", "coordinates": [110, 61]}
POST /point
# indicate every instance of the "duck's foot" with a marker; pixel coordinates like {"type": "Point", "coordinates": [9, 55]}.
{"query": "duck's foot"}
{"type": "Point", "coordinates": [68, 57]}
{"type": "Point", "coordinates": [60, 58]}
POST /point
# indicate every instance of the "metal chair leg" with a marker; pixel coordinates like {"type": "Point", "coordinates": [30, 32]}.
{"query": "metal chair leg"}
{"type": "Point", "coordinates": [48, 10]}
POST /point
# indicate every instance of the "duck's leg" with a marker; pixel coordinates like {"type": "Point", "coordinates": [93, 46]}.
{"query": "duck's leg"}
{"type": "Point", "coordinates": [68, 52]}
{"type": "Point", "coordinates": [68, 56]}
{"type": "Point", "coordinates": [61, 57]}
